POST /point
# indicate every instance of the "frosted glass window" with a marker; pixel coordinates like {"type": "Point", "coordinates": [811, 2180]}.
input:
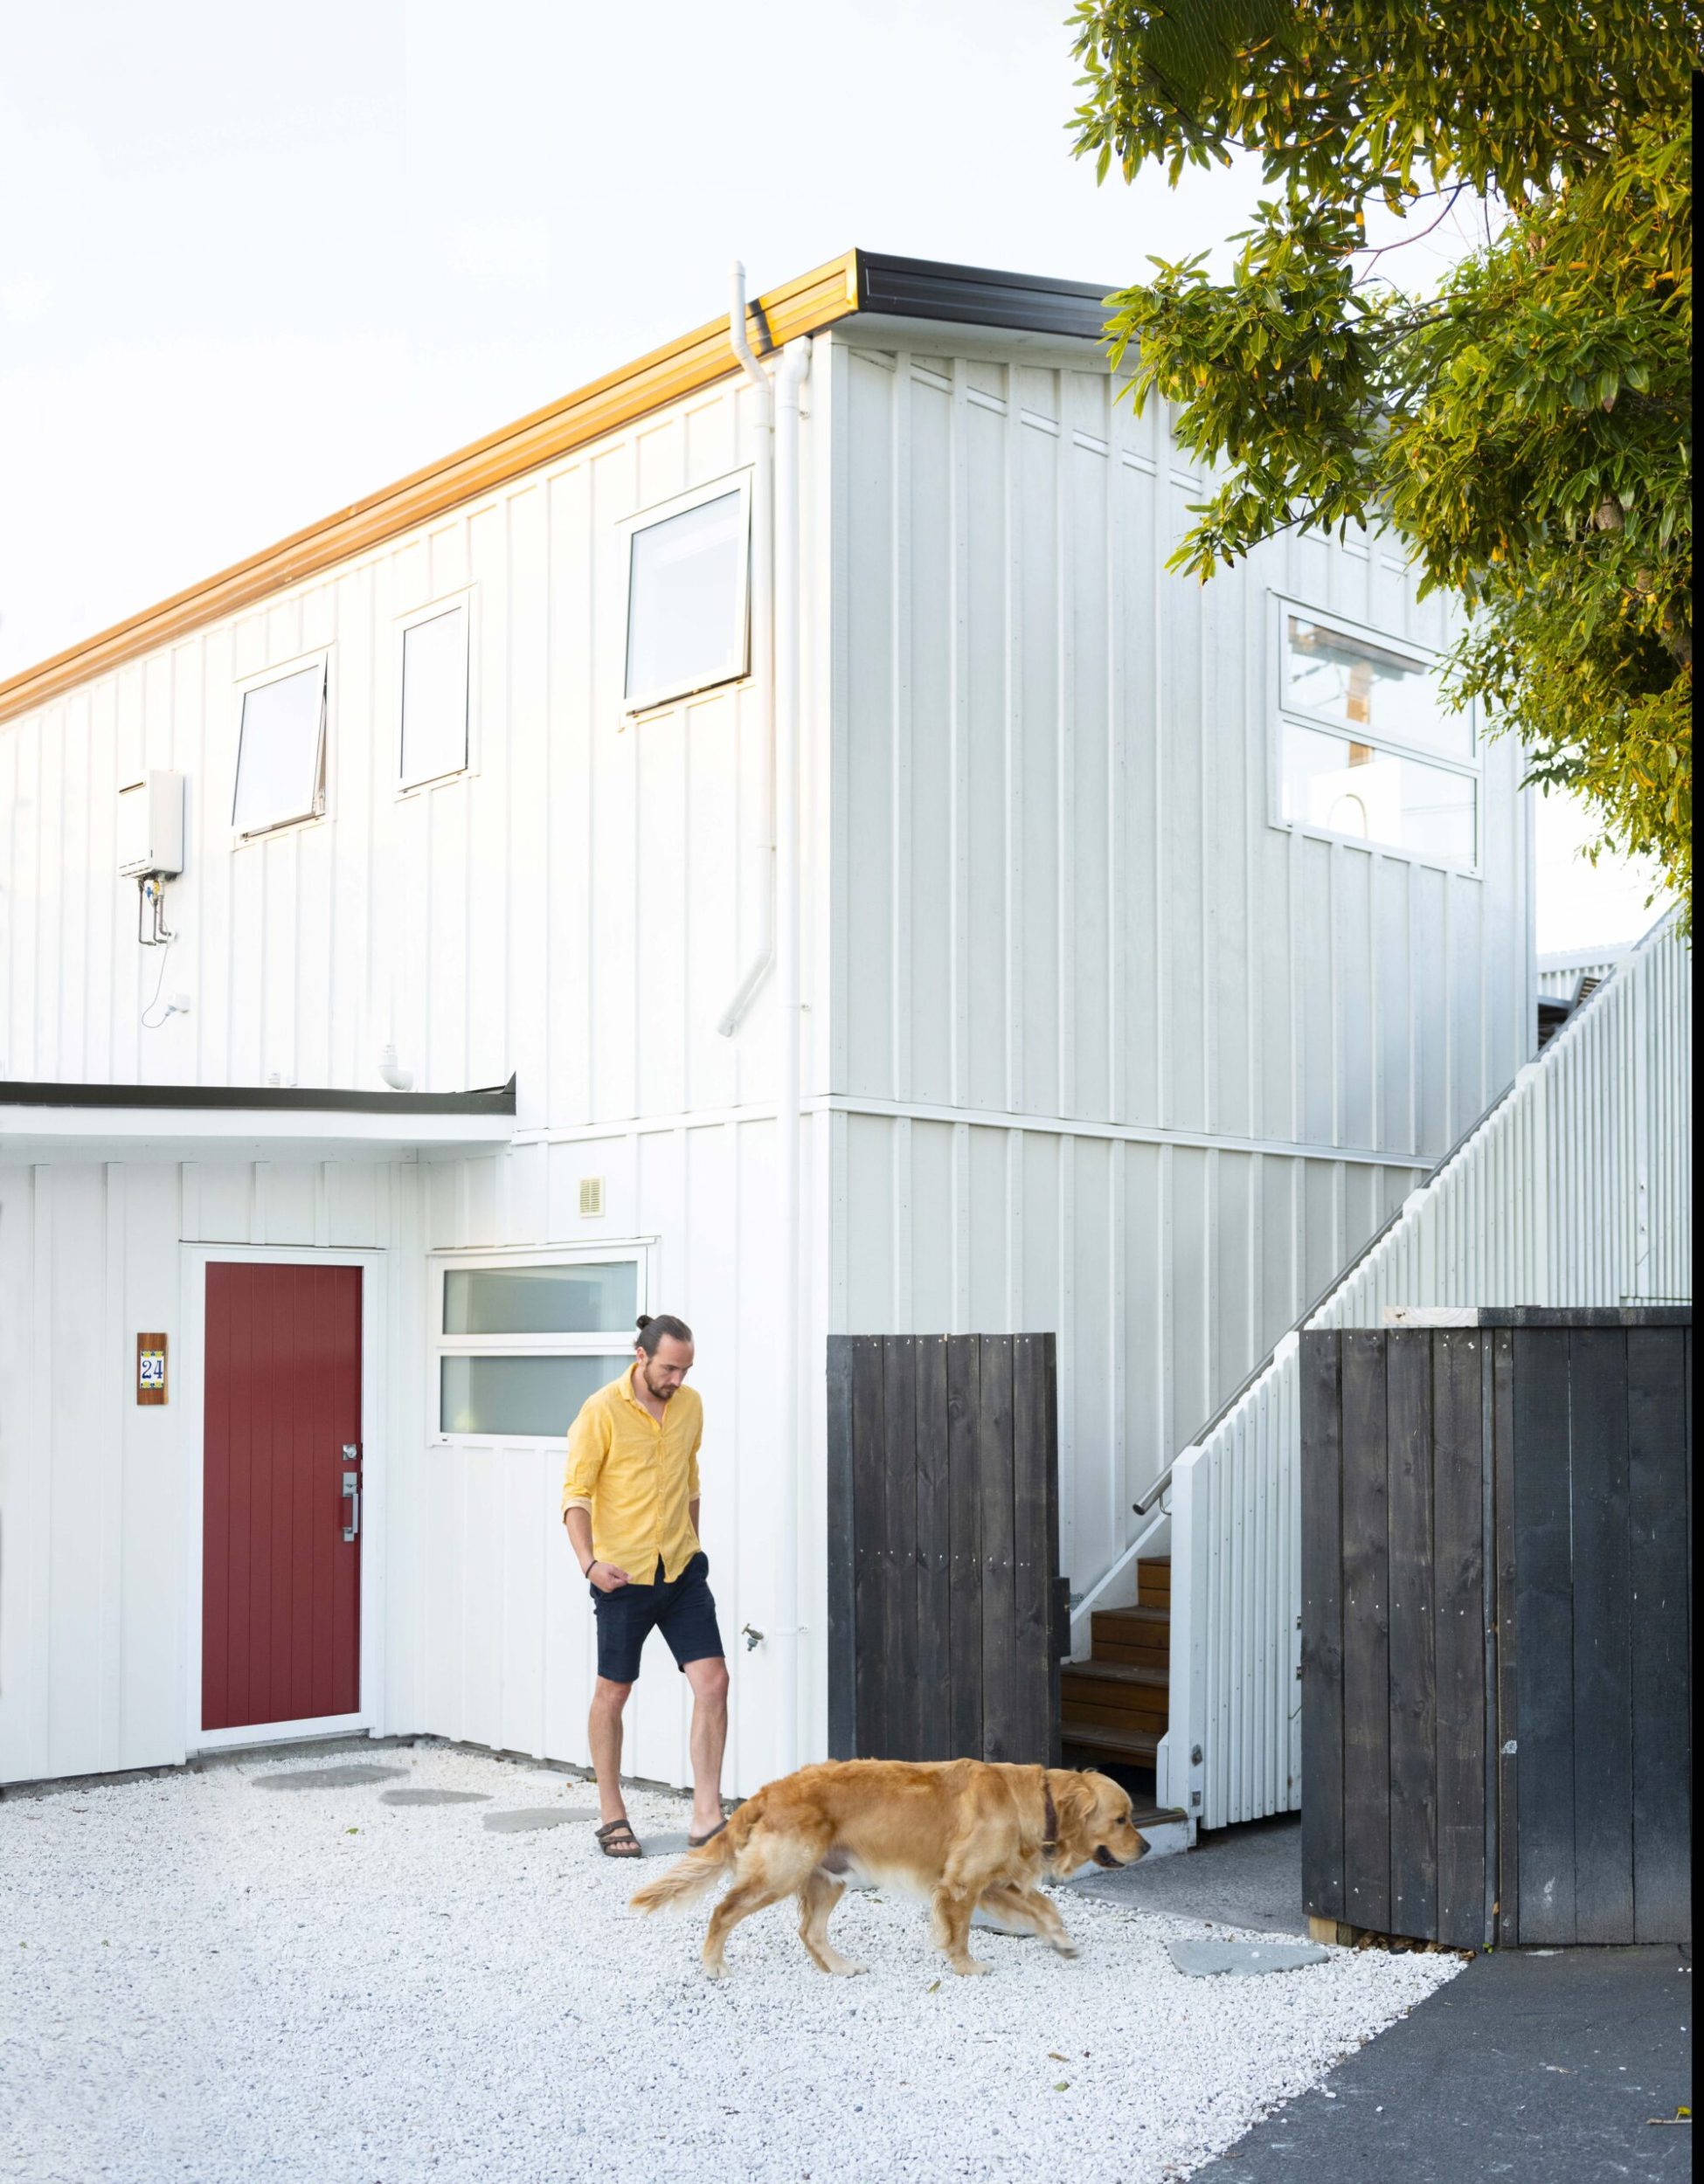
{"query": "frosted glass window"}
{"type": "Point", "coordinates": [580, 1300]}
{"type": "Point", "coordinates": [1351, 788]}
{"type": "Point", "coordinates": [531, 1397]}
{"type": "Point", "coordinates": [686, 601]}
{"type": "Point", "coordinates": [280, 752]}
{"type": "Point", "coordinates": [434, 695]}
{"type": "Point", "coordinates": [1364, 685]}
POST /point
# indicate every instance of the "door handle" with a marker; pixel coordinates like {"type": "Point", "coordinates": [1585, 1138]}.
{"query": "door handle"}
{"type": "Point", "coordinates": [352, 1492]}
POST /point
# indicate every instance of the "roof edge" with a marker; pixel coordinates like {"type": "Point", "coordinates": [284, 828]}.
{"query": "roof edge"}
{"type": "Point", "coordinates": [857, 281]}
{"type": "Point", "coordinates": [804, 306]}
{"type": "Point", "coordinates": [274, 1098]}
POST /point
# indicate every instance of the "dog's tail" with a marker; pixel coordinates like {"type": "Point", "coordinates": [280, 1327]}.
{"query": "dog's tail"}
{"type": "Point", "coordinates": [692, 1874]}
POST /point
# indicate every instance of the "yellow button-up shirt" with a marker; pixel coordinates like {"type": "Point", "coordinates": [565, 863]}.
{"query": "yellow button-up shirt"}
{"type": "Point", "coordinates": [635, 1478]}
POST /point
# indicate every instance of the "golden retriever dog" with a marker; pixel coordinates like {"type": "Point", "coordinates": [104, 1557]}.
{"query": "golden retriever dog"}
{"type": "Point", "coordinates": [960, 1831]}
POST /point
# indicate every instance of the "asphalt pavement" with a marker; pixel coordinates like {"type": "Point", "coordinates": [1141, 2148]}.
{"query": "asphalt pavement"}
{"type": "Point", "coordinates": [1533, 2066]}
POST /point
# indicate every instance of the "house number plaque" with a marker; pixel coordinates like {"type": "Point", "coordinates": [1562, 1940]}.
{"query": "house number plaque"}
{"type": "Point", "coordinates": [151, 1368]}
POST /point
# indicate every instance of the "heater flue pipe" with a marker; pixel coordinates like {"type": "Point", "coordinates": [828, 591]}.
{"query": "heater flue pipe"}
{"type": "Point", "coordinates": [790, 377]}
{"type": "Point", "coordinates": [763, 639]}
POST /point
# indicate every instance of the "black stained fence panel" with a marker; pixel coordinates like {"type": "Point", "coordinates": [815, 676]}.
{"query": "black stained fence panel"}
{"type": "Point", "coordinates": [1322, 1628]}
{"type": "Point", "coordinates": [943, 1563]}
{"type": "Point", "coordinates": [1658, 1536]}
{"type": "Point", "coordinates": [1496, 1628]}
{"type": "Point", "coordinates": [1459, 1608]}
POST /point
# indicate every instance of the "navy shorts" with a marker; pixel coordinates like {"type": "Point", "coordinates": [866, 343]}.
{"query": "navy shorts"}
{"type": "Point", "coordinates": [683, 1612]}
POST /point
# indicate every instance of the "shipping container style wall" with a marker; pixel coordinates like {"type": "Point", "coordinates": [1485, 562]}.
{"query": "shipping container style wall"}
{"type": "Point", "coordinates": [1120, 1056]}
{"type": "Point", "coordinates": [577, 907]}
{"type": "Point", "coordinates": [1089, 1046]}
{"type": "Point", "coordinates": [98, 1494]}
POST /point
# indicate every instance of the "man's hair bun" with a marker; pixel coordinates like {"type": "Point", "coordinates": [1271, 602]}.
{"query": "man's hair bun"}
{"type": "Point", "coordinates": [654, 1326]}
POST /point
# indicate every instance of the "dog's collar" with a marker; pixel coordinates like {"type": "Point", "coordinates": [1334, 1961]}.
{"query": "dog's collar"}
{"type": "Point", "coordinates": [1050, 1817]}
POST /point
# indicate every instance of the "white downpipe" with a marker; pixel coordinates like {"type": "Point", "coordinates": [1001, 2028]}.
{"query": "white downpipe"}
{"type": "Point", "coordinates": [790, 377]}
{"type": "Point", "coordinates": [762, 595]}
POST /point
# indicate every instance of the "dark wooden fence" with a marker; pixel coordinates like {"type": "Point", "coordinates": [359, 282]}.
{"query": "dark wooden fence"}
{"type": "Point", "coordinates": [1496, 1628]}
{"type": "Point", "coordinates": [945, 1620]}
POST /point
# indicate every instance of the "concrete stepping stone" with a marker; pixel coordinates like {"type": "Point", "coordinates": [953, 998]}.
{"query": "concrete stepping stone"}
{"type": "Point", "coordinates": [1203, 1959]}
{"type": "Point", "coordinates": [531, 1816]}
{"type": "Point", "coordinates": [665, 1845]}
{"type": "Point", "coordinates": [435, 1797]}
{"type": "Point", "coordinates": [349, 1778]}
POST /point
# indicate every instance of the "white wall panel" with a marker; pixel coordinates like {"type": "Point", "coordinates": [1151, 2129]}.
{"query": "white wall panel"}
{"type": "Point", "coordinates": [1057, 818]}
{"type": "Point", "coordinates": [95, 1588]}
{"type": "Point", "coordinates": [576, 909]}
{"type": "Point", "coordinates": [503, 1649]}
{"type": "Point", "coordinates": [1166, 1270]}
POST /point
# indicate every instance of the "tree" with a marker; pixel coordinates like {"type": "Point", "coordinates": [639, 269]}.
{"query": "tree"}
{"type": "Point", "coordinates": [1527, 424]}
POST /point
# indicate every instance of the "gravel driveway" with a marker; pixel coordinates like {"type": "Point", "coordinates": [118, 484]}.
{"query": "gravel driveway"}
{"type": "Point", "coordinates": [205, 1977]}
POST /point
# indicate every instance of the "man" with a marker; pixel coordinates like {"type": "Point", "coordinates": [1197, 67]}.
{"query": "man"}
{"type": "Point", "coordinates": [630, 1503]}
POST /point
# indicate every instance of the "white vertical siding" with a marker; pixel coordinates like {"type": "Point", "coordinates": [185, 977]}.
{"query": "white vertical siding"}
{"type": "Point", "coordinates": [1061, 902]}
{"type": "Point", "coordinates": [96, 1489]}
{"type": "Point", "coordinates": [581, 902]}
{"type": "Point", "coordinates": [498, 1627]}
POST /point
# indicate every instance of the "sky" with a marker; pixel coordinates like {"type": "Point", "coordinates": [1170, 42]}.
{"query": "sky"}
{"type": "Point", "coordinates": [255, 263]}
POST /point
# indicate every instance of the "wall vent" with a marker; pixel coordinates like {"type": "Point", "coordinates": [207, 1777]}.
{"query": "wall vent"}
{"type": "Point", "coordinates": [591, 1197]}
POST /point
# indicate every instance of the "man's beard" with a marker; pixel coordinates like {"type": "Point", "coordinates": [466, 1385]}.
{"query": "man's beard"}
{"type": "Point", "coordinates": [662, 1394]}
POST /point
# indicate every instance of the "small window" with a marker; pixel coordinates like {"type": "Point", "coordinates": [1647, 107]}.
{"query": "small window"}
{"type": "Point", "coordinates": [434, 695]}
{"type": "Point", "coordinates": [1366, 747]}
{"type": "Point", "coordinates": [281, 751]}
{"type": "Point", "coordinates": [1343, 787]}
{"type": "Point", "coordinates": [520, 1399]}
{"type": "Point", "coordinates": [571, 1300]}
{"type": "Point", "coordinates": [518, 1345]}
{"type": "Point", "coordinates": [686, 599]}
{"type": "Point", "coordinates": [1358, 684]}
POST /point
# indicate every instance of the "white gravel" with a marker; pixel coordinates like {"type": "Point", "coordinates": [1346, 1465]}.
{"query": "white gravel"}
{"type": "Point", "coordinates": [200, 1980]}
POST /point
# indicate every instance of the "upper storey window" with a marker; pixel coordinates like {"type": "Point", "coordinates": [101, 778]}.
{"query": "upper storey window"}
{"type": "Point", "coordinates": [281, 750]}
{"type": "Point", "coordinates": [687, 595]}
{"type": "Point", "coordinates": [435, 694]}
{"type": "Point", "coordinates": [1367, 746]}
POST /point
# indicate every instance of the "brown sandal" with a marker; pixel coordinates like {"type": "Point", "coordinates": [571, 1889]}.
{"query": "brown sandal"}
{"type": "Point", "coordinates": [613, 1837]}
{"type": "Point", "coordinates": [697, 1842]}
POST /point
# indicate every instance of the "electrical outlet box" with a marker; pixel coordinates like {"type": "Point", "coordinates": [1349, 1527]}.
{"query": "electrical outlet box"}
{"type": "Point", "coordinates": [150, 826]}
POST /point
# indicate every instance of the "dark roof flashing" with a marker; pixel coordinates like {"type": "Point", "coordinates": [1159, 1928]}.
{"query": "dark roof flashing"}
{"type": "Point", "coordinates": [270, 1098]}
{"type": "Point", "coordinates": [980, 295]}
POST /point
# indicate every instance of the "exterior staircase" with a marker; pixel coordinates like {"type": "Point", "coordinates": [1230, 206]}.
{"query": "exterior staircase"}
{"type": "Point", "coordinates": [1114, 1704]}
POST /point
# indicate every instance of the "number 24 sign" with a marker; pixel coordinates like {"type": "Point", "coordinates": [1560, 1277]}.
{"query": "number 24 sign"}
{"type": "Point", "coordinates": [151, 1368]}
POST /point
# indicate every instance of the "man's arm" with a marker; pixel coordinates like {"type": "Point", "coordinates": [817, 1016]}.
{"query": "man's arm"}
{"type": "Point", "coordinates": [604, 1575]}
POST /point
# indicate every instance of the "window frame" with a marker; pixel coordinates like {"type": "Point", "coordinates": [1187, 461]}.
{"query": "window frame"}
{"type": "Point", "coordinates": [638, 1250]}
{"type": "Point", "coordinates": [464, 597]}
{"type": "Point", "coordinates": [1283, 605]}
{"type": "Point", "coordinates": [282, 671]}
{"type": "Point", "coordinates": [647, 519]}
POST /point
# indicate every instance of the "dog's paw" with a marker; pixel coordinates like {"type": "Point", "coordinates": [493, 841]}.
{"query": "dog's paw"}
{"type": "Point", "coordinates": [972, 1968]}
{"type": "Point", "coordinates": [716, 1970]}
{"type": "Point", "coordinates": [1065, 1948]}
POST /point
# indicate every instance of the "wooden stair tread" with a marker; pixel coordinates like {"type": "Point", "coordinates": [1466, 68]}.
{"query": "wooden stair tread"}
{"type": "Point", "coordinates": [1117, 1672]}
{"type": "Point", "coordinates": [1138, 1746]}
{"type": "Point", "coordinates": [1154, 1815]}
{"type": "Point", "coordinates": [1146, 1618]}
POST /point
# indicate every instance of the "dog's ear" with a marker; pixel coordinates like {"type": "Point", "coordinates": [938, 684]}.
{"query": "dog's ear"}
{"type": "Point", "coordinates": [1074, 1799]}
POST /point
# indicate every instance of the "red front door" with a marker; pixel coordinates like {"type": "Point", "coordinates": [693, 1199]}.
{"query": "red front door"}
{"type": "Point", "coordinates": [280, 1613]}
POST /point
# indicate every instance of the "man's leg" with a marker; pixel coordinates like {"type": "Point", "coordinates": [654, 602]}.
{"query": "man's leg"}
{"type": "Point", "coordinates": [709, 1680]}
{"type": "Point", "coordinates": [604, 1732]}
